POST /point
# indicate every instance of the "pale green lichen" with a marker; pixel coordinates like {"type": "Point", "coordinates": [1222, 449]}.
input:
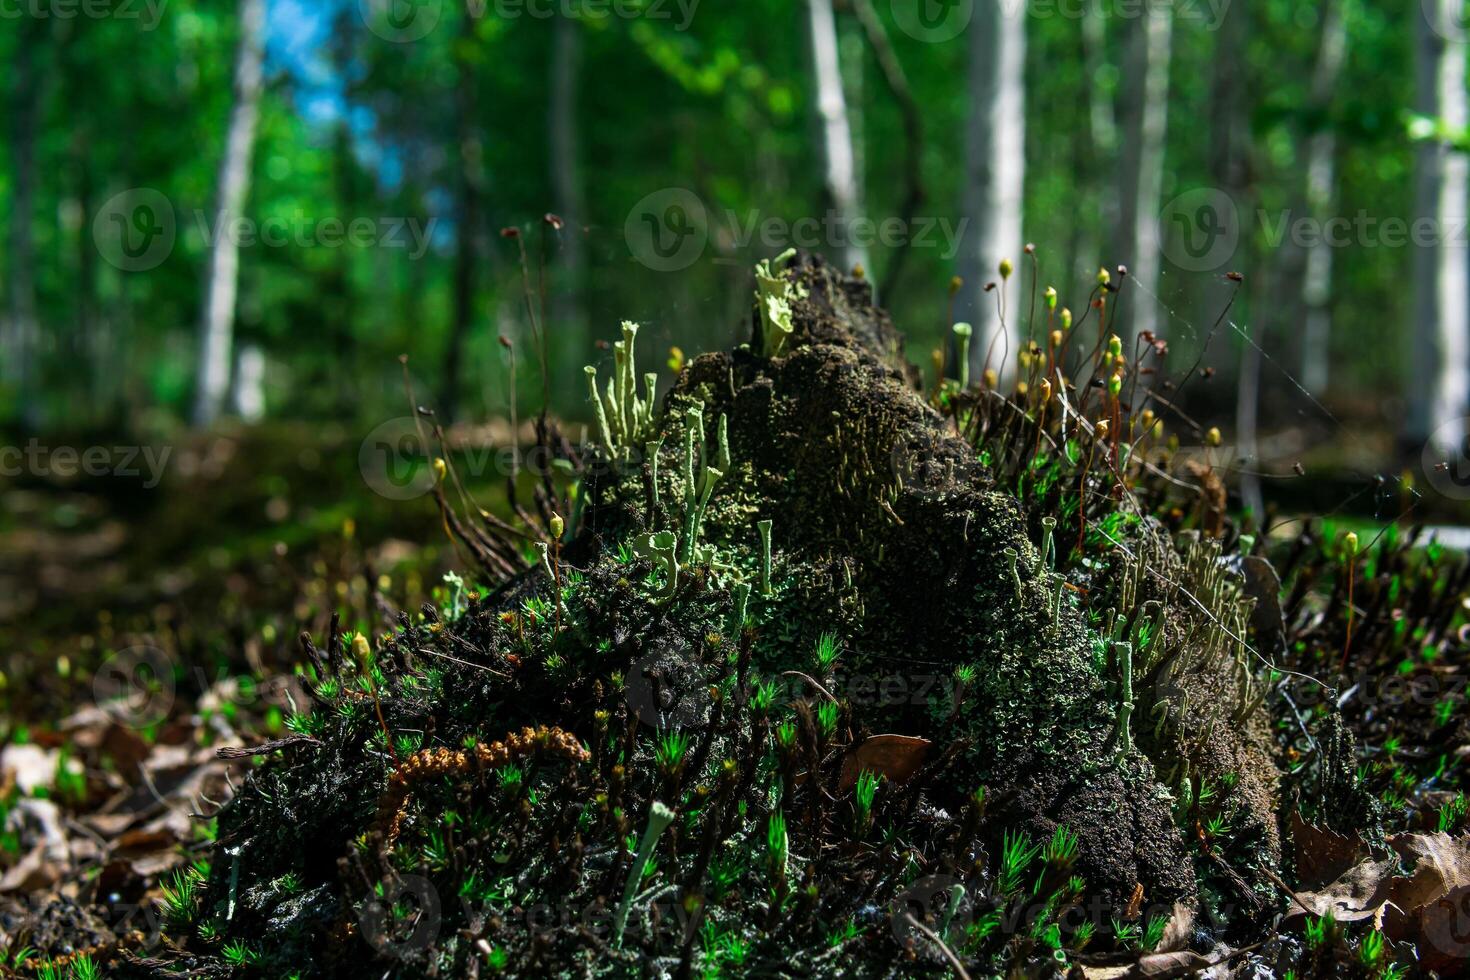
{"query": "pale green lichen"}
{"type": "Point", "coordinates": [624, 419]}
{"type": "Point", "coordinates": [775, 296]}
{"type": "Point", "coordinates": [659, 818]}
{"type": "Point", "coordinates": [963, 332]}
{"type": "Point", "coordinates": [661, 547]}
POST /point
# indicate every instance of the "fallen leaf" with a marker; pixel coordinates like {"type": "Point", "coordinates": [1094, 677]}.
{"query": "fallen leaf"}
{"type": "Point", "coordinates": [1323, 855]}
{"type": "Point", "coordinates": [894, 757]}
{"type": "Point", "coordinates": [1157, 966]}
{"type": "Point", "coordinates": [31, 766]}
{"type": "Point", "coordinates": [1430, 905]}
{"type": "Point", "coordinates": [32, 872]}
{"type": "Point", "coordinates": [1179, 931]}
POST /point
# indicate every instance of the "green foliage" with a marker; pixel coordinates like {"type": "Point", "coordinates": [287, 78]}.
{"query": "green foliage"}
{"type": "Point", "coordinates": [179, 899]}
{"type": "Point", "coordinates": [1017, 853]}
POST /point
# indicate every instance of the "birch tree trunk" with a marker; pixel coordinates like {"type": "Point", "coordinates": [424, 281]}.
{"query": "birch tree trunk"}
{"type": "Point", "coordinates": [1438, 384]}
{"type": "Point", "coordinates": [1145, 104]}
{"type": "Point", "coordinates": [1230, 152]}
{"type": "Point", "coordinates": [995, 168]}
{"type": "Point", "coordinates": [1321, 199]}
{"type": "Point", "coordinates": [217, 327]}
{"type": "Point", "coordinates": [839, 165]}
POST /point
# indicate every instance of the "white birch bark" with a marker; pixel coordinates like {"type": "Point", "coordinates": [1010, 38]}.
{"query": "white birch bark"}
{"type": "Point", "coordinates": [1438, 383]}
{"type": "Point", "coordinates": [217, 325]}
{"type": "Point", "coordinates": [1145, 105]}
{"type": "Point", "coordinates": [839, 165]}
{"type": "Point", "coordinates": [995, 169]}
{"type": "Point", "coordinates": [1321, 198]}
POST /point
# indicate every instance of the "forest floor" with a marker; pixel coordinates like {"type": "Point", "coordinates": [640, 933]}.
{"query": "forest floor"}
{"type": "Point", "coordinates": [801, 670]}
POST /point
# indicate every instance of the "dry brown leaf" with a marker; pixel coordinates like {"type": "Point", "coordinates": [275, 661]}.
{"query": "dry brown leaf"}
{"type": "Point", "coordinates": [1179, 931]}
{"type": "Point", "coordinates": [894, 757]}
{"type": "Point", "coordinates": [30, 765]}
{"type": "Point", "coordinates": [1429, 906]}
{"type": "Point", "coordinates": [32, 872]}
{"type": "Point", "coordinates": [1358, 893]}
{"type": "Point", "coordinates": [1321, 854]}
{"type": "Point", "coordinates": [1155, 966]}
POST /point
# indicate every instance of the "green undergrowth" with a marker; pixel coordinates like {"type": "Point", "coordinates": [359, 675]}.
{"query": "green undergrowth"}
{"type": "Point", "coordinates": [864, 679]}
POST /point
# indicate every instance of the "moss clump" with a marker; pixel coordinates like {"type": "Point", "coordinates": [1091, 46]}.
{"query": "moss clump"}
{"type": "Point", "coordinates": [734, 671]}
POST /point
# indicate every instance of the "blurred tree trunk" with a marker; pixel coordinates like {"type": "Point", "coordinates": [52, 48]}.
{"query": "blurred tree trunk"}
{"type": "Point", "coordinates": [470, 157]}
{"type": "Point", "coordinates": [568, 303]}
{"type": "Point", "coordinates": [1094, 150]}
{"type": "Point", "coordinates": [897, 82]}
{"type": "Point", "coordinates": [850, 54]}
{"type": "Point", "coordinates": [1438, 385]}
{"type": "Point", "coordinates": [21, 329]}
{"type": "Point", "coordinates": [995, 168]}
{"type": "Point", "coordinates": [216, 327]}
{"type": "Point", "coordinates": [93, 343]}
{"type": "Point", "coordinates": [340, 306]}
{"type": "Point", "coordinates": [1145, 105]}
{"type": "Point", "coordinates": [1320, 190]}
{"type": "Point", "coordinates": [1230, 166]}
{"type": "Point", "coordinates": [839, 165]}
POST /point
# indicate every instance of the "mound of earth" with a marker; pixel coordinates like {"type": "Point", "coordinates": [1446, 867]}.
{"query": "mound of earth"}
{"type": "Point", "coordinates": [800, 691]}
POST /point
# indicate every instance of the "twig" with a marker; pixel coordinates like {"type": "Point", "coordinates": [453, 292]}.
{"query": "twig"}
{"type": "Point", "coordinates": [264, 748]}
{"type": "Point", "coordinates": [933, 937]}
